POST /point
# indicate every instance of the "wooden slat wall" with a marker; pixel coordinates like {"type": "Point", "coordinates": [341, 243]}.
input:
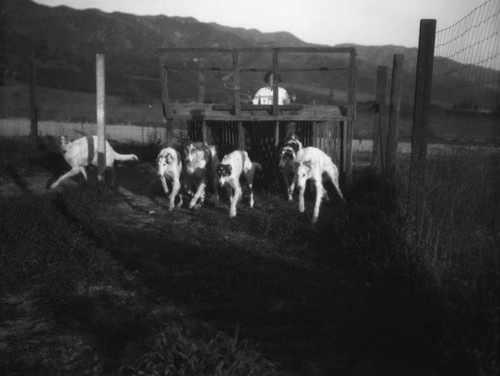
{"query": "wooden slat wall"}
{"type": "Point", "coordinates": [260, 141]}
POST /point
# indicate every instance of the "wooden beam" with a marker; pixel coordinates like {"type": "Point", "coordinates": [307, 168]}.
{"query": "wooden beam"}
{"type": "Point", "coordinates": [351, 117]}
{"type": "Point", "coordinates": [207, 111]}
{"type": "Point", "coordinates": [101, 116]}
{"type": "Point", "coordinates": [380, 121]}
{"type": "Point", "coordinates": [165, 100]}
{"type": "Point", "coordinates": [33, 106]}
{"type": "Point", "coordinates": [346, 50]}
{"type": "Point", "coordinates": [394, 112]}
{"type": "Point", "coordinates": [419, 140]}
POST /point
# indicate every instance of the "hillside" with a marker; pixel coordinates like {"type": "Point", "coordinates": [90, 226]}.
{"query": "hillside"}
{"type": "Point", "coordinates": [66, 40]}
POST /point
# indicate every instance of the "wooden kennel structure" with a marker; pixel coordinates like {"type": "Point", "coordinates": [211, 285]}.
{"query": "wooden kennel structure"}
{"type": "Point", "coordinates": [320, 125]}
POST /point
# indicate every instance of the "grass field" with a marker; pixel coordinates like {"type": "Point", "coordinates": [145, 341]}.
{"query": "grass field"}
{"type": "Point", "coordinates": [107, 281]}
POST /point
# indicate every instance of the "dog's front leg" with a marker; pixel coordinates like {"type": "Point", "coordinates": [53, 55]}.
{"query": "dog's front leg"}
{"type": "Point", "coordinates": [284, 175]}
{"type": "Point", "coordinates": [291, 188]}
{"type": "Point", "coordinates": [199, 195]}
{"type": "Point", "coordinates": [319, 196]}
{"type": "Point", "coordinates": [84, 172]}
{"type": "Point", "coordinates": [176, 185]}
{"type": "Point", "coordinates": [70, 173]}
{"type": "Point", "coordinates": [302, 206]}
{"type": "Point", "coordinates": [234, 200]}
{"type": "Point", "coordinates": [164, 184]}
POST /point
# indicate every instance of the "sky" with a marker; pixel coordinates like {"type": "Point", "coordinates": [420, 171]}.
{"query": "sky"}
{"type": "Point", "coordinates": [327, 22]}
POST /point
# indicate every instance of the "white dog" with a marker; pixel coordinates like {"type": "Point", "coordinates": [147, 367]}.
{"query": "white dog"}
{"type": "Point", "coordinates": [82, 152]}
{"type": "Point", "coordinates": [312, 163]}
{"type": "Point", "coordinates": [234, 166]}
{"type": "Point", "coordinates": [199, 164]}
{"type": "Point", "coordinates": [287, 156]}
{"type": "Point", "coordinates": [169, 169]}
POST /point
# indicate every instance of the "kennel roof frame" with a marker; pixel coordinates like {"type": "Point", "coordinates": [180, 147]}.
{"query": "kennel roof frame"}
{"type": "Point", "coordinates": [239, 112]}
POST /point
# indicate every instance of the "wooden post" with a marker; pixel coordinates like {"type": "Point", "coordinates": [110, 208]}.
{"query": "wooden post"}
{"type": "Point", "coordinates": [342, 153]}
{"type": "Point", "coordinates": [425, 63]}
{"type": "Point", "coordinates": [101, 116]}
{"type": "Point", "coordinates": [394, 111]}
{"type": "Point", "coordinates": [380, 121]}
{"type": "Point", "coordinates": [351, 113]}
{"type": "Point", "coordinates": [33, 107]}
{"type": "Point", "coordinates": [276, 96]}
{"type": "Point", "coordinates": [201, 99]}
{"type": "Point", "coordinates": [237, 99]}
{"type": "Point", "coordinates": [165, 99]}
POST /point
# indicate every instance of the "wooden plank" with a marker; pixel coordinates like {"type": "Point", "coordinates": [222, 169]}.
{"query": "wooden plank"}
{"type": "Point", "coordinates": [237, 99]}
{"type": "Point", "coordinates": [257, 107]}
{"type": "Point", "coordinates": [230, 69]}
{"type": "Point", "coordinates": [33, 106]}
{"type": "Point", "coordinates": [379, 125]}
{"type": "Point", "coordinates": [101, 116]}
{"type": "Point", "coordinates": [165, 100]}
{"type": "Point", "coordinates": [200, 111]}
{"type": "Point", "coordinates": [351, 118]}
{"type": "Point", "coordinates": [394, 112]}
{"type": "Point", "coordinates": [346, 50]}
{"type": "Point", "coordinates": [419, 141]}
{"type": "Point", "coordinates": [201, 99]}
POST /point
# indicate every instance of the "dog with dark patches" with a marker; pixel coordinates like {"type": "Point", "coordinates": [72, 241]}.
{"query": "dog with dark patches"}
{"type": "Point", "coordinates": [82, 153]}
{"type": "Point", "coordinates": [287, 156]}
{"type": "Point", "coordinates": [169, 163]}
{"type": "Point", "coordinates": [312, 163]}
{"type": "Point", "coordinates": [235, 166]}
{"type": "Point", "coordinates": [199, 169]}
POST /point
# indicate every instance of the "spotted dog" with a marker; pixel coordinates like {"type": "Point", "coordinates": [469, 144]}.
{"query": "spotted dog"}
{"type": "Point", "coordinates": [288, 153]}
{"type": "Point", "coordinates": [199, 164]}
{"type": "Point", "coordinates": [235, 166]}
{"type": "Point", "coordinates": [82, 153]}
{"type": "Point", "coordinates": [169, 170]}
{"type": "Point", "coordinates": [312, 163]}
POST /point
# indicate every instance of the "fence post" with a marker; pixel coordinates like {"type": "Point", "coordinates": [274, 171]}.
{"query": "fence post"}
{"type": "Point", "coordinates": [165, 101]}
{"type": "Point", "coordinates": [201, 99]}
{"type": "Point", "coordinates": [425, 62]}
{"type": "Point", "coordinates": [33, 107]}
{"type": "Point", "coordinates": [380, 121]}
{"type": "Point", "coordinates": [237, 98]}
{"type": "Point", "coordinates": [394, 112]}
{"type": "Point", "coordinates": [351, 113]}
{"type": "Point", "coordinates": [101, 116]}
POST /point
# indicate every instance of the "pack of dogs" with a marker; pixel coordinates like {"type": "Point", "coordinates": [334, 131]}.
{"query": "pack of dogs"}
{"type": "Point", "coordinates": [196, 167]}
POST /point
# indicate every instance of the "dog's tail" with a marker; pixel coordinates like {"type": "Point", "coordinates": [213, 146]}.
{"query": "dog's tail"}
{"type": "Point", "coordinates": [125, 157]}
{"type": "Point", "coordinates": [257, 166]}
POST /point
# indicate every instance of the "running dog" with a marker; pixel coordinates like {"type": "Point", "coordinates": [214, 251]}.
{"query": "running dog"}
{"type": "Point", "coordinates": [82, 153]}
{"type": "Point", "coordinates": [234, 166]}
{"type": "Point", "coordinates": [199, 168]}
{"type": "Point", "coordinates": [312, 163]}
{"type": "Point", "coordinates": [169, 170]}
{"type": "Point", "coordinates": [287, 156]}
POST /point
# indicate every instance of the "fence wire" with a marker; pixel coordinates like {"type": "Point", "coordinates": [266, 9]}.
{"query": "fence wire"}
{"type": "Point", "coordinates": [467, 59]}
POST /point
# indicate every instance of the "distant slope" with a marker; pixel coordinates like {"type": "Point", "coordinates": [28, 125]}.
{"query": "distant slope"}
{"type": "Point", "coordinates": [66, 41]}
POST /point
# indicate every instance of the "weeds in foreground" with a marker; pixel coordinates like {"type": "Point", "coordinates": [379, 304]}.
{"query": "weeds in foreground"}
{"type": "Point", "coordinates": [177, 352]}
{"type": "Point", "coordinates": [458, 253]}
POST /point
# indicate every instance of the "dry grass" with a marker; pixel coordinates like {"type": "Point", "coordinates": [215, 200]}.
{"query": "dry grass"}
{"type": "Point", "coordinates": [167, 291]}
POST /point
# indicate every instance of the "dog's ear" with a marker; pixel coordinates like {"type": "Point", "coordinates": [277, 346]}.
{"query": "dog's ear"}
{"type": "Point", "coordinates": [308, 164]}
{"type": "Point", "coordinates": [169, 158]}
{"type": "Point", "coordinates": [179, 159]}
